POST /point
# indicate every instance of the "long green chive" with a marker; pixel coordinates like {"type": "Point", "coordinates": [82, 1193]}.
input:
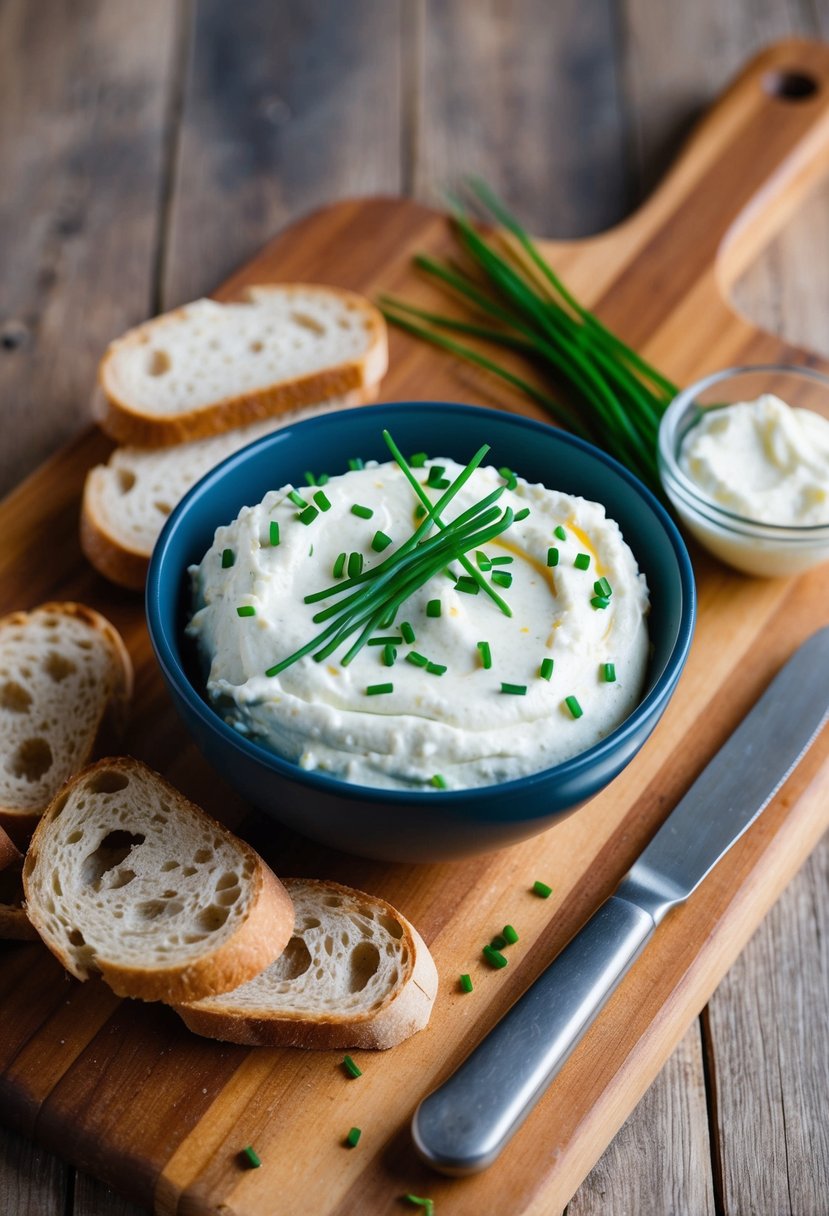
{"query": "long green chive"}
{"type": "Point", "coordinates": [380, 541]}
{"type": "Point", "coordinates": [418, 460]}
{"type": "Point", "coordinates": [546, 669]}
{"type": "Point", "coordinates": [297, 499]}
{"type": "Point", "coordinates": [603, 588]}
{"type": "Point", "coordinates": [428, 1205]}
{"type": "Point", "coordinates": [467, 585]}
{"type": "Point", "coordinates": [486, 655]}
{"type": "Point", "coordinates": [494, 957]}
{"type": "Point", "coordinates": [361, 511]}
{"type": "Point", "coordinates": [353, 1137]}
{"type": "Point", "coordinates": [252, 1159]}
{"type": "Point", "coordinates": [391, 640]}
{"type": "Point", "coordinates": [417, 660]}
{"type": "Point", "coordinates": [581, 561]}
{"type": "Point", "coordinates": [599, 602]}
{"type": "Point", "coordinates": [246, 610]}
{"type": "Point", "coordinates": [389, 655]}
{"type": "Point", "coordinates": [433, 608]}
{"type": "Point", "coordinates": [439, 782]}
{"type": "Point", "coordinates": [552, 556]}
{"type": "Point", "coordinates": [502, 578]}
{"type": "Point", "coordinates": [559, 532]}
{"type": "Point", "coordinates": [351, 1068]}
{"type": "Point", "coordinates": [574, 707]}
{"type": "Point", "coordinates": [228, 558]}
{"type": "Point", "coordinates": [308, 515]}
{"type": "Point", "coordinates": [503, 561]}
{"type": "Point", "coordinates": [466, 983]}
{"type": "Point", "coordinates": [509, 476]}
{"type": "Point", "coordinates": [355, 463]}
{"type": "Point", "coordinates": [608, 671]}
{"type": "Point", "coordinates": [516, 690]}
{"type": "Point", "coordinates": [510, 935]}
{"type": "Point", "coordinates": [355, 565]}
{"type": "Point", "coordinates": [436, 669]}
{"type": "Point", "coordinates": [483, 561]}
{"type": "Point", "coordinates": [339, 565]}
{"type": "Point", "coordinates": [540, 888]}
{"type": "Point", "coordinates": [408, 632]}
{"type": "Point", "coordinates": [273, 533]}
{"type": "Point", "coordinates": [322, 501]}
{"type": "Point", "coordinates": [379, 690]}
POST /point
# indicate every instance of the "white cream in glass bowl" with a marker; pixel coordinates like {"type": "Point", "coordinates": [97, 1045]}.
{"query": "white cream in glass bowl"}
{"type": "Point", "coordinates": [744, 459]}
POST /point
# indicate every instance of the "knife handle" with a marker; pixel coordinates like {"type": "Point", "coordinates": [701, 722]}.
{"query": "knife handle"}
{"type": "Point", "coordinates": [463, 1126]}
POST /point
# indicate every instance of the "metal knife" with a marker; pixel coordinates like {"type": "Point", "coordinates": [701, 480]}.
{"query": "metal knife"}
{"type": "Point", "coordinates": [462, 1127]}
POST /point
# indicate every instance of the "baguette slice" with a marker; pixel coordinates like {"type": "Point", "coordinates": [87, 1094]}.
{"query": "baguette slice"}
{"type": "Point", "coordinates": [208, 367]}
{"type": "Point", "coordinates": [126, 502]}
{"type": "Point", "coordinates": [65, 681]}
{"type": "Point", "coordinates": [355, 974]}
{"type": "Point", "coordinates": [14, 923]}
{"type": "Point", "coordinates": [125, 877]}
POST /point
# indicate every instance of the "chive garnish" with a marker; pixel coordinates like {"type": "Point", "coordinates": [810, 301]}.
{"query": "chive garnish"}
{"type": "Point", "coordinates": [251, 1157]}
{"type": "Point", "coordinates": [379, 690]}
{"type": "Point", "coordinates": [522, 514]}
{"type": "Point", "coordinates": [353, 1137]}
{"type": "Point", "coordinates": [559, 532]}
{"type": "Point", "coordinates": [408, 632]}
{"type": "Point", "coordinates": [380, 541]}
{"type": "Point", "coordinates": [486, 655]}
{"type": "Point", "coordinates": [552, 556]}
{"type": "Point", "coordinates": [494, 957]}
{"type": "Point", "coordinates": [599, 602]}
{"type": "Point", "coordinates": [451, 574]}
{"type": "Point", "coordinates": [436, 472]}
{"type": "Point", "coordinates": [339, 565]}
{"type": "Point", "coordinates": [546, 669]}
{"type": "Point", "coordinates": [361, 511]}
{"type": "Point", "coordinates": [581, 561]}
{"type": "Point", "coordinates": [427, 1204]}
{"type": "Point", "coordinates": [433, 608]}
{"type": "Point", "coordinates": [439, 782]}
{"type": "Point", "coordinates": [502, 561]}
{"type": "Point", "coordinates": [351, 1068]}
{"type": "Point", "coordinates": [355, 463]}
{"type": "Point", "coordinates": [390, 640]}
{"type": "Point", "coordinates": [466, 983]}
{"type": "Point", "coordinates": [308, 515]}
{"type": "Point", "coordinates": [574, 707]}
{"type": "Point", "coordinates": [228, 558]}
{"type": "Point", "coordinates": [516, 690]}
{"type": "Point", "coordinates": [417, 660]}
{"type": "Point", "coordinates": [420, 511]}
{"type": "Point", "coordinates": [467, 585]}
{"type": "Point", "coordinates": [541, 888]}
{"type": "Point", "coordinates": [389, 655]}
{"type": "Point", "coordinates": [483, 561]}
{"type": "Point", "coordinates": [510, 935]}
{"type": "Point", "coordinates": [297, 499]}
{"type": "Point", "coordinates": [355, 565]}
{"type": "Point", "coordinates": [502, 578]}
{"type": "Point", "coordinates": [608, 672]}
{"type": "Point", "coordinates": [509, 476]}
{"type": "Point", "coordinates": [436, 669]}
{"type": "Point", "coordinates": [322, 501]}
{"type": "Point", "coordinates": [603, 588]}
{"type": "Point", "coordinates": [310, 479]}
{"type": "Point", "coordinates": [323, 479]}
{"type": "Point", "coordinates": [418, 460]}
{"type": "Point", "coordinates": [273, 533]}
{"type": "Point", "coordinates": [246, 610]}
{"type": "Point", "coordinates": [498, 942]}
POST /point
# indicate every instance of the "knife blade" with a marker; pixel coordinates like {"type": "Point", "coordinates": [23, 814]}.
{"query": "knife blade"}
{"type": "Point", "coordinates": [463, 1125]}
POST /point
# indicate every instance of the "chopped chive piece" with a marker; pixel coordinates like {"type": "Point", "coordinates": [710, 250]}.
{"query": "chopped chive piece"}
{"type": "Point", "coordinates": [433, 608]}
{"type": "Point", "coordinates": [351, 1068]}
{"type": "Point", "coordinates": [392, 640]}
{"type": "Point", "coordinates": [251, 1157]}
{"type": "Point", "coordinates": [498, 942]}
{"type": "Point", "coordinates": [417, 660]}
{"type": "Point", "coordinates": [510, 935]}
{"type": "Point", "coordinates": [418, 460]}
{"type": "Point", "coordinates": [407, 631]}
{"type": "Point", "coordinates": [574, 707]}
{"type": "Point", "coordinates": [380, 541]}
{"type": "Point", "coordinates": [502, 561]}
{"type": "Point", "coordinates": [355, 463]}
{"type": "Point", "coordinates": [483, 561]}
{"type": "Point", "coordinates": [310, 479]}
{"type": "Point", "coordinates": [517, 690]}
{"type": "Point", "coordinates": [494, 957]}
{"type": "Point", "coordinates": [322, 501]}
{"type": "Point", "coordinates": [552, 556]}
{"type": "Point", "coordinates": [353, 1137]}
{"type": "Point", "coordinates": [339, 565]}
{"type": "Point", "coordinates": [509, 477]}
{"type": "Point", "coordinates": [466, 983]}
{"type": "Point", "coordinates": [308, 515]}
{"type": "Point", "coordinates": [486, 655]}
{"type": "Point", "coordinates": [436, 669]}
{"type": "Point", "coordinates": [541, 888]}
{"type": "Point", "coordinates": [389, 655]}
{"type": "Point", "coordinates": [501, 578]}
{"type": "Point", "coordinates": [427, 1204]}
{"type": "Point", "coordinates": [323, 479]}
{"type": "Point", "coordinates": [379, 690]}
{"type": "Point", "coordinates": [603, 588]}
{"type": "Point", "coordinates": [599, 602]}
{"type": "Point", "coordinates": [559, 532]}
{"type": "Point", "coordinates": [442, 483]}
{"type": "Point", "coordinates": [246, 610]}
{"type": "Point", "coordinates": [228, 558]}
{"type": "Point", "coordinates": [355, 565]}
{"type": "Point", "coordinates": [435, 474]}
{"type": "Point", "coordinates": [297, 499]}
{"type": "Point", "coordinates": [467, 585]}
{"type": "Point", "coordinates": [420, 511]}
{"type": "Point", "coordinates": [609, 672]}
{"type": "Point", "coordinates": [546, 669]}
{"type": "Point", "coordinates": [439, 782]}
{"type": "Point", "coordinates": [310, 550]}
{"type": "Point", "coordinates": [522, 514]}
{"type": "Point", "coordinates": [362, 512]}
{"type": "Point", "coordinates": [273, 533]}
{"type": "Point", "coordinates": [451, 574]}
{"type": "Point", "coordinates": [581, 561]}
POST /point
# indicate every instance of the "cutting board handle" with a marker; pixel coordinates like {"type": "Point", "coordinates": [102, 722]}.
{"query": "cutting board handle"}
{"type": "Point", "coordinates": [748, 164]}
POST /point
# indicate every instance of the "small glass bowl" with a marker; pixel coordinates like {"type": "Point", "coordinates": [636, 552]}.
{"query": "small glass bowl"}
{"type": "Point", "coordinates": [769, 550]}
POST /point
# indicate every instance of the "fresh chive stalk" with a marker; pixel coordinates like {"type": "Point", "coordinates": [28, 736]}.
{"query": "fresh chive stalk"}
{"type": "Point", "coordinates": [510, 935]}
{"type": "Point", "coordinates": [582, 561]}
{"type": "Point", "coordinates": [466, 983]}
{"type": "Point", "coordinates": [353, 1137]}
{"type": "Point", "coordinates": [494, 957]}
{"type": "Point", "coordinates": [546, 669]}
{"type": "Point", "coordinates": [251, 1157]}
{"type": "Point", "coordinates": [608, 672]}
{"type": "Point", "coordinates": [351, 1068]}
{"type": "Point", "coordinates": [541, 889]}
{"type": "Point", "coordinates": [273, 533]}
{"type": "Point", "coordinates": [228, 558]}
{"type": "Point", "coordinates": [486, 655]}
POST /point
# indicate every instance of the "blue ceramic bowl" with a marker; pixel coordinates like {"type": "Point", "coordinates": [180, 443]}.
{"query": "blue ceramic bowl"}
{"type": "Point", "coordinates": [418, 825]}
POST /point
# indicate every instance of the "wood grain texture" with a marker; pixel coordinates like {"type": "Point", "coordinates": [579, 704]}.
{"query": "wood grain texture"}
{"type": "Point", "coordinates": [32, 1181]}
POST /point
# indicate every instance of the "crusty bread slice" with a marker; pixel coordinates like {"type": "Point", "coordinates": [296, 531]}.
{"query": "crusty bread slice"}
{"type": "Point", "coordinates": [125, 877]}
{"type": "Point", "coordinates": [355, 974]}
{"type": "Point", "coordinates": [14, 923]}
{"type": "Point", "coordinates": [208, 367]}
{"type": "Point", "coordinates": [65, 677]}
{"type": "Point", "coordinates": [126, 502]}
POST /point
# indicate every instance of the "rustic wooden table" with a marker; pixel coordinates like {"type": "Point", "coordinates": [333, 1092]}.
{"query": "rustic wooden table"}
{"type": "Point", "coordinates": [146, 150]}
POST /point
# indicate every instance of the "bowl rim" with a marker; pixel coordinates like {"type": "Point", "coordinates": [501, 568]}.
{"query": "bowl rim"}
{"type": "Point", "coordinates": [677, 482]}
{"type": "Point", "coordinates": [175, 673]}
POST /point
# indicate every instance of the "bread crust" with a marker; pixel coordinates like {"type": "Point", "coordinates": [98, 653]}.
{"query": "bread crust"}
{"type": "Point", "coordinates": [129, 425]}
{"type": "Point", "coordinates": [255, 944]}
{"type": "Point", "coordinates": [402, 1014]}
{"type": "Point", "coordinates": [9, 853]}
{"type": "Point", "coordinates": [20, 824]}
{"type": "Point", "coordinates": [13, 920]}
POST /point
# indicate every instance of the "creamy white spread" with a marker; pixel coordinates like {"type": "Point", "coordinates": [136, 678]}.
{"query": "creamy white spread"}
{"type": "Point", "coordinates": [458, 726]}
{"type": "Point", "coordinates": [763, 460]}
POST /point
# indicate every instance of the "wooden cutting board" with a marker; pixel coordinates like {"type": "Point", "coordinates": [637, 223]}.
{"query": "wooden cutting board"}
{"type": "Point", "coordinates": [122, 1090]}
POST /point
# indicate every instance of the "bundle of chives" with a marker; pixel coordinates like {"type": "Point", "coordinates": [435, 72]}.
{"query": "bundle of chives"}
{"type": "Point", "coordinates": [519, 302]}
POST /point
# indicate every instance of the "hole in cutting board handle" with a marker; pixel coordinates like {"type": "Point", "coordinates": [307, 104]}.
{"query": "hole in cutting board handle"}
{"type": "Point", "coordinates": [790, 85]}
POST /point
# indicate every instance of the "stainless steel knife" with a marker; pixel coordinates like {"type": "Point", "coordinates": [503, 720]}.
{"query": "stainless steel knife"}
{"type": "Point", "coordinates": [462, 1127]}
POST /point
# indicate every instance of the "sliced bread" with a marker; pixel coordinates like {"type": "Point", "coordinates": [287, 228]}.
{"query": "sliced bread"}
{"type": "Point", "coordinates": [355, 974]}
{"type": "Point", "coordinates": [65, 677]}
{"type": "Point", "coordinates": [208, 367]}
{"type": "Point", "coordinates": [14, 923]}
{"type": "Point", "coordinates": [126, 502]}
{"type": "Point", "coordinates": [126, 877]}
